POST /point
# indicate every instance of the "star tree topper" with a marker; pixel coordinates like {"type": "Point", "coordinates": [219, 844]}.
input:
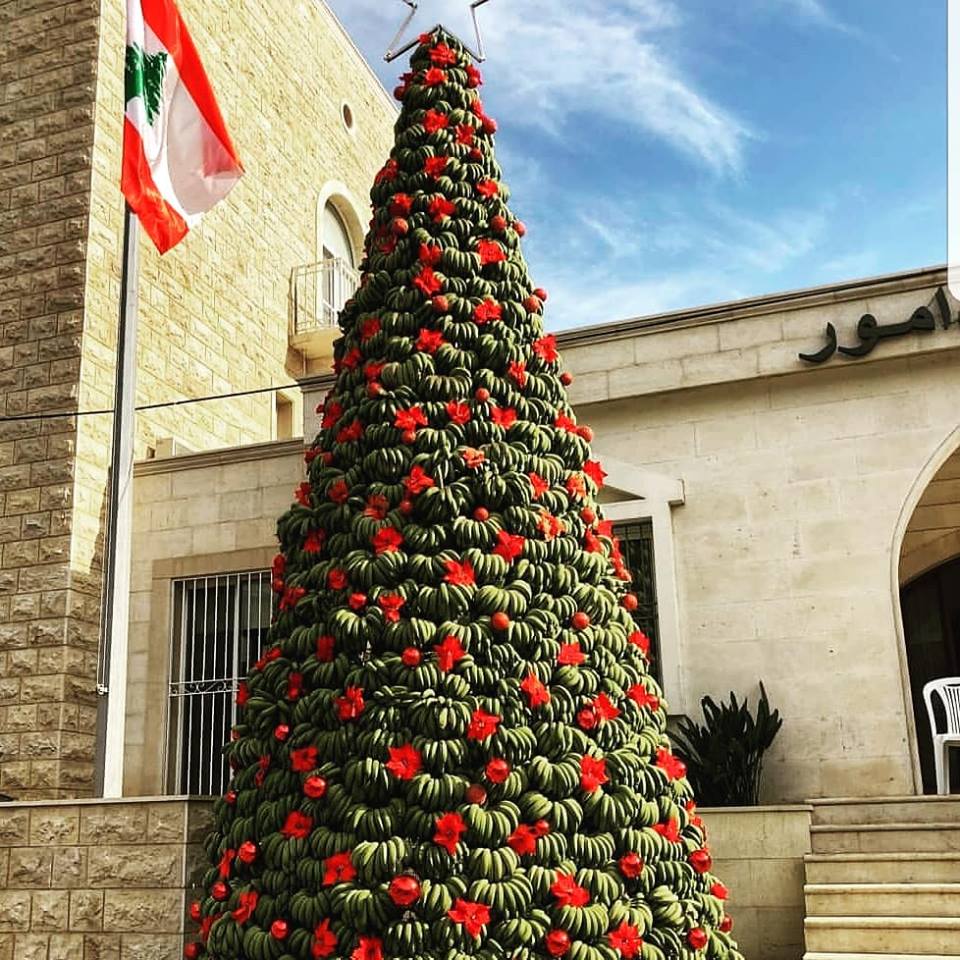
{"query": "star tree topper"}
{"type": "Point", "coordinates": [396, 50]}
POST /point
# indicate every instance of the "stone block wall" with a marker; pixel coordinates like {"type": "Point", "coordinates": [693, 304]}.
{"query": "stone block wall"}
{"type": "Point", "coordinates": [48, 609]}
{"type": "Point", "coordinates": [933, 534]}
{"type": "Point", "coordinates": [97, 880]}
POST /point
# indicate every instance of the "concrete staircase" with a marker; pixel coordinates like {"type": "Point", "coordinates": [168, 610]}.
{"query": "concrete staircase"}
{"type": "Point", "coordinates": [883, 879]}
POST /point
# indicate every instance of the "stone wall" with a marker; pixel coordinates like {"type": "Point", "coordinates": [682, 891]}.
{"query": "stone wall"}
{"type": "Point", "coordinates": [933, 535]}
{"type": "Point", "coordinates": [98, 880]}
{"type": "Point", "coordinates": [48, 608]}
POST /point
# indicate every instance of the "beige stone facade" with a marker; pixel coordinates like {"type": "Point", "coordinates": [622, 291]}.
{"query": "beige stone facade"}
{"type": "Point", "coordinates": [215, 313]}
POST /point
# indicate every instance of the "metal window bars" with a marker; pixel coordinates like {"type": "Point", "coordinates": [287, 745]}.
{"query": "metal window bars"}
{"type": "Point", "coordinates": [319, 292]}
{"type": "Point", "coordinates": [220, 624]}
{"type": "Point", "coordinates": [636, 543]}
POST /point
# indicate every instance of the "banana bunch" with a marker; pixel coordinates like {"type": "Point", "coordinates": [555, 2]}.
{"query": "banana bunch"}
{"type": "Point", "coordinates": [406, 938]}
{"type": "Point", "coordinates": [584, 923]}
{"type": "Point", "coordinates": [593, 850]}
{"type": "Point", "coordinates": [491, 825]}
{"type": "Point", "coordinates": [371, 823]}
{"type": "Point", "coordinates": [437, 793]}
{"type": "Point", "coordinates": [557, 780]}
{"type": "Point", "coordinates": [585, 951]}
{"type": "Point", "coordinates": [495, 864]}
{"type": "Point", "coordinates": [258, 944]}
{"type": "Point", "coordinates": [605, 885]}
{"type": "Point", "coordinates": [506, 898]}
{"type": "Point", "coordinates": [379, 860]}
{"type": "Point", "coordinates": [667, 907]}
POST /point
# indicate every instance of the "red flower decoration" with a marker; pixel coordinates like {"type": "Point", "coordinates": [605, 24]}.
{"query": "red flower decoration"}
{"type": "Point", "coordinates": [568, 892]}
{"type": "Point", "coordinates": [324, 940]}
{"type": "Point", "coordinates": [669, 830]}
{"type": "Point", "coordinates": [700, 860]}
{"type": "Point", "coordinates": [369, 328]}
{"type": "Point", "coordinates": [605, 709]}
{"type": "Point", "coordinates": [434, 77]}
{"type": "Point", "coordinates": [672, 766]}
{"type": "Point", "coordinates": [490, 252]}
{"type": "Point", "coordinates": [449, 653]}
{"type": "Point", "coordinates": [571, 655]}
{"type": "Point", "coordinates": [626, 940]}
{"type": "Point", "coordinates": [338, 869]}
{"type": "Point", "coordinates": [404, 891]}
{"type": "Point", "coordinates": [473, 458]}
{"type": "Point", "coordinates": [504, 417]}
{"type": "Point", "coordinates": [474, 77]}
{"type": "Point", "coordinates": [488, 188]}
{"type": "Point", "coordinates": [405, 762]}
{"type": "Point", "coordinates": [458, 412]}
{"type": "Point", "coordinates": [325, 648]}
{"type": "Point", "coordinates": [246, 904]}
{"type": "Point", "coordinates": [391, 604]}
{"type": "Point", "coordinates": [631, 865]}
{"type": "Point", "coordinates": [537, 693]}
{"type": "Point", "coordinates": [417, 481]}
{"type": "Point", "coordinates": [643, 698]}
{"type": "Point", "coordinates": [401, 204]}
{"type": "Point", "coordinates": [410, 419]}
{"type": "Point", "coordinates": [297, 825]}
{"type": "Point", "coordinates": [546, 349]}
{"type": "Point", "coordinates": [388, 172]}
{"type": "Point", "coordinates": [639, 639]}
{"type": "Point", "coordinates": [430, 254]}
{"type": "Point", "coordinates": [465, 134]}
{"type": "Point", "coordinates": [434, 166]}
{"type": "Point", "coordinates": [697, 938]}
{"type": "Point", "coordinates": [487, 312]}
{"type": "Point", "coordinates": [430, 341]}
{"type": "Point", "coordinates": [719, 891]}
{"type": "Point", "coordinates": [338, 491]}
{"type": "Point", "coordinates": [225, 867]}
{"type": "Point", "coordinates": [459, 574]}
{"type": "Point", "coordinates": [509, 546]}
{"type": "Point", "coordinates": [350, 705]}
{"type": "Point", "coordinates": [369, 948]}
{"type": "Point", "coordinates": [440, 208]}
{"type": "Point", "coordinates": [576, 486]}
{"type": "Point", "coordinates": [593, 773]}
{"type": "Point", "coordinates": [473, 916]}
{"type": "Point", "coordinates": [304, 759]}
{"type": "Point", "coordinates": [302, 493]}
{"type": "Point", "coordinates": [540, 486]}
{"type": "Point", "coordinates": [550, 526]}
{"type": "Point", "coordinates": [482, 725]}
{"type": "Point", "coordinates": [427, 282]}
{"type": "Point", "coordinates": [523, 840]}
{"type": "Point", "coordinates": [315, 541]}
{"type": "Point", "coordinates": [450, 828]}
{"type": "Point", "coordinates": [377, 507]}
{"type": "Point", "coordinates": [497, 770]}
{"type": "Point", "coordinates": [291, 597]}
{"type": "Point", "coordinates": [243, 693]}
{"type": "Point", "coordinates": [386, 540]}
{"type": "Point", "coordinates": [433, 121]}
{"type": "Point", "coordinates": [351, 433]}
{"type": "Point", "coordinates": [595, 472]}
{"type": "Point", "coordinates": [443, 56]}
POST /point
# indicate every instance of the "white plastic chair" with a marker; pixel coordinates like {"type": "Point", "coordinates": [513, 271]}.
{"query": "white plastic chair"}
{"type": "Point", "coordinates": [948, 689]}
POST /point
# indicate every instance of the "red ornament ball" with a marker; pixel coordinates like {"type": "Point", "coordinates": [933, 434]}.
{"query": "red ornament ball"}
{"type": "Point", "coordinates": [630, 602]}
{"type": "Point", "coordinates": [440, 305]}
{"type": "Point", "coordinates": [406, 507]}
{"type": "Point", "coordinates": [195, 913]}
{"type": "Point", "coordinates": [281, 732]}
{"type": "Point", "coordinates": [631, 865]}
{"type": "Point", "coordinates": [482, 394]}
{"type": "Point", "coordinates": [315, 787]}
{"type": "Point", "coordinates": [497, 770]}
{"type": "Point", "coordinates": [481, 514]}
{"type": "Point", "coordinates": [476, 794]}
{"type": "Point", "coordinates": [404, 891]}
{"type": "Point", "coordinates": [580, 621]}
{"type": "Point", "coordinates": [399, 92]}
{"type": "Point", "coordinates": [489, 125]}
{"type": "Point", "coordinates": [541, 293]}
{"type": "Point", "coordinates": [219, 891]}
{"type": "Point", "coordinates": [476, 154]}
{"type": "Point", "coordinates": [327, 458]}
{"type": "Point", "coordinates": [411, 657]}
{"type": "Point", "coordinates": [191, 951]}
{"type": "Point", "coordinates": [726, 924]}
{"type": "Point", "coordinates": [586, 433]}
{"type": "Point", "coordinates": [557, 942]}
{"type": "Point", "coordinates": [700, 860]}
{"type": "Point", "coordinates": [230, 797]}
{"type": "Point", "coordinates": [532, 305]}
{"type": "Point", "coordinates": [279, 929]}
{"type": "Point", "coordinates": [541, 828]}
{"type": "Point", "coordinates": [566, 378]}
{"type": "Point", "coordinates": [697, 938]}
{"type": "Point", "coordinates": [587, 515]}
{"type": "Point", "coordinates": [520, 227]}
{"type": "Point", "coordinates": [247, 852]}
{"type": "Point", "coordinates": [400, 226]}
{"type": "Point", "coordinates": [720, 891]}
{"type": "Point", "coordinates": [498, 223]}
{"type": "Point", "coordinates": [374, 389]}
{"type": "Point", "coordinates": [587, 718]}
{"type": "Point", "coordinates": [408, 436]}
{"type": "Point", "coordinates": [500, 621]}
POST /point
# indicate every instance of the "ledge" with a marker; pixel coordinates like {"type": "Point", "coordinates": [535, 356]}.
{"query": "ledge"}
{"type": "Point", "coordinates": [274, 449]}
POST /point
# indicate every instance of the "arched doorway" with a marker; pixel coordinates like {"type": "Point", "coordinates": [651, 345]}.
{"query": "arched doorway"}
{"type": "Point", "coordinates": [930, 599]}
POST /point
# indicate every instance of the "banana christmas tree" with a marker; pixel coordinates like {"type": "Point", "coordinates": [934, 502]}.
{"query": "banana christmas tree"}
{"type": "Point", "coordinates": [452, 746]}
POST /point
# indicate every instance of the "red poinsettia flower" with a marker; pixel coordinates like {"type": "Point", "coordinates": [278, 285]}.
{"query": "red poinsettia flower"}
{"type": "Point", "coordinates": [537, 693]}
{"type": "Point", "coordinates": [297, 825]}
{"type": "Point", "coordinates": [332, 412]}
{"type": "Point", "coordinates": [672, 766]}
{"type": "Point", "coordinates": [350, 705]}
{"type": "Point", "coordinates": [465, 135]}
{"type": "Point", "coordinates": [243, 693]}
{"type": "Point", "coordinates": [568, 892]}
{"type": "Point", "coordinates": [523, 840]}
{"type": "Point", "coordinates": [504, 417]}
{"type": "Point", "coordinates": [546, 349]}
{"type": "Point", "coordinates": [377, 507]}
{"type": "Point", "coordinates": [433, 121]}
{"type": "Point", "coordinates": [626, 940]}
{"type": "Point", "coordinates": [351, 359]}
{"type": "Point", "coordinates": [373, 370]}
{"type": "Point", "coordinates": [487, 312]}
{"type": "Point", "coordinates": [434, 77]}
{"type": "Point", "coordinates": [593, 773]}
{"type": "Point", "coordinates": [388, 172]}
{"type": "Point", "coordinates": [440, 208]}
{"type": "Point", "coordinates": [443, 56]}
{"type": "Point", "coordinates": [698, 938]}
{"type": "Point", "coordinates": [497, 770]}
{"type": "Point", "coordinates": [540, 486]}
{"type": "Point", "coordinates": [482, 725]}
{"type": "Point", "coordinates": [263, 765]}
{"type": "Point", "coordinates": [517, 372]}
{"type": "Point", "coordinates": [430, 341]}
{"type": "Point", "coordinates": [488, 188]}
{"type": "Point", "coordinates": [401, 204]}
{"type": "Point", "coordinates": [357, 601]}
{"type": "Point", "coordinates": [458, 412]}
{"type": "Point", "coordinates": [643, 698]}
{"type": "Point", "coordinates": [417, 481]}
{"type": "Point", "coordinates": [302, 493]}
{"type": "Point", "coordinates": [719, 891]}
{"type": "Point", "coordinates": [434, 166]}
{"type": "Point", "coordinates": [473, 916]}
{"type": "Point", "coordinates": [351, 433]}
{"type": "Point", "coordinates": [450, 828]}
{"type": "Point", "coordinates": [571, 655]}
{"type": "Point", "coordinates": [324, 940]}
{"type": "Point", "coordinates": [509, 546]}
{"type": "Point", "coordinates": [386, 540]}
{"type": "Point", "coordinates": [369, 328]}
{"type": "Point", "coordinates": [405, 762]}
{"type": "Point", "coordinates": [606, 709]}
{"type": "Point", "coordinates": [473, 458]}
{"type": "Point", "coordinates": [368, 948]}
{"type": "Point", "coordinates": [338, 869]}
{"type": "Point", "coordinates": [404, 890]}
{"type": "Point", "coordinates": [291, 597]}
{"type": "Point", "coordinates": [576, 486]}
{"type": "Point", "coordinates": [557, 942]}
{"type": "Point", "coordinates": [225, 866]}
{"type": "Point", "coordinates": [246, 904]}
{"type": "Point", "coordinates": [304, 759]}
{"type": "Point", "coordinates": [565, 423]}
{"type": "Point", "coordinates": [428, 282]}
{"type": "Point", "coordinates": [550, 526]}
{"type": "Point", "coordinates": [474, 76]}
{"type": "Point", "coordinates": [459, 573]}
{"type": "Point", "coordinates": [325, 648]}
{"type": "Point", "coordinates": [430, 254]}
{"type": "Point", "coordinates": [639, 639]}
{"type": "Point", "coordinates": [391, 604]}
{"type": "Point", "coordinates": [595, 472]}
{"type": "Point", "coordinates": [449, 653]}
{"type": "Point", "coordinates": [700, 860]}
{"type": "Point", "coordinates": [410, 418]}
{"type": "Point", "coordinates": [315, 541]}
{"type": "Point", "coordinates": [669, 830]}
{"type": "Point", "coordinates": [631, 865]}
{"type": "Point", "coordinates": [490, 252]}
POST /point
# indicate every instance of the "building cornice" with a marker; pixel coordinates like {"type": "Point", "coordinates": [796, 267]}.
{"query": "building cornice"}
{"type": "Point", "coordinates": [274, 450]}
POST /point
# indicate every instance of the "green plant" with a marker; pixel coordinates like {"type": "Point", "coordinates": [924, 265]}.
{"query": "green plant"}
{"type": "Point", "coordinates": [725, 755]}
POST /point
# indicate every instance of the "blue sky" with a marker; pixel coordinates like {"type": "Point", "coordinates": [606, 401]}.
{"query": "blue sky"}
{"type": "Point", "coordinates": [670, 153]}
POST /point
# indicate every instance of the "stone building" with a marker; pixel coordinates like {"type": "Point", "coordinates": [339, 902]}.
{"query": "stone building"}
{"type": "Point", "coordinates": [312, 124]}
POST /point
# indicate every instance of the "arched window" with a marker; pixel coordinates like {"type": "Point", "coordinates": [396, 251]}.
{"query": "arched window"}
{"type": "Point", "coordinates": [336, 239]}
{"type": "Point", "coordinates": [338, 277]}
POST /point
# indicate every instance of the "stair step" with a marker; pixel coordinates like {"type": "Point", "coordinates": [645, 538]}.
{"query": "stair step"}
{"type": "Point", "coordinates": [883, 867]}
{"type": "Point", "coordinates": [896, 936]}
{"type": "Point", "coordinates": [882, 899]}
{"type": "Point", "coordinates": [886, 810]}
{"type": "Point", "coordinates": [894, 837]}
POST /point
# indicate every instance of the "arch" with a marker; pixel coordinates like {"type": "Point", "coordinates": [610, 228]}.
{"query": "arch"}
{"type": "Point", "coordinates": [339, 197]}
{"type": "Point", "coordinates": [931, 468]}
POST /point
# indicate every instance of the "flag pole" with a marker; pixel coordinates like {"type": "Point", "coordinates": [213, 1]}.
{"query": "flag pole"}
{"type": "Point", "coordinates": [115, 613]}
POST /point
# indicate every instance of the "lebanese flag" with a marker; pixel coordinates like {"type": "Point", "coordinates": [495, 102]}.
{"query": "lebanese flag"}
{"type": "Point", "coordinates": [178, 159]}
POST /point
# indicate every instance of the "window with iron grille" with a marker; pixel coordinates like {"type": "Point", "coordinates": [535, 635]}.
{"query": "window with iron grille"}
{"type": "Point", "coordinates": [219, 625]}
{"type": "Point", "coordinates": [636, 542]}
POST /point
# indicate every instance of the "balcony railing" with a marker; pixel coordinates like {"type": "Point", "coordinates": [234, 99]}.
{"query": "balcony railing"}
{"type": "Point", "coordinates": [319, 292]}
